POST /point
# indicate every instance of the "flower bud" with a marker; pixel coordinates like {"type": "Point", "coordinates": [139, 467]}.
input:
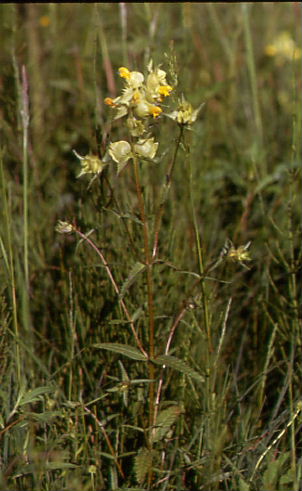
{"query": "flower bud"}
{"type": "Point", "coordinates": [90, 164]}
{"type": "Point", "coordinates": [64, 227]}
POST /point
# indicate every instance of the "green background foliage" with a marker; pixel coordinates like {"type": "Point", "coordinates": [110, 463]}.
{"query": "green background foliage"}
{"type": "Point", "coordinates": [75, 402]}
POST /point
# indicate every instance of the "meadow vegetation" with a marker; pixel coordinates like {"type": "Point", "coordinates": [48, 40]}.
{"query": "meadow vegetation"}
{"type": "Point", "coordinates": [150, 247]}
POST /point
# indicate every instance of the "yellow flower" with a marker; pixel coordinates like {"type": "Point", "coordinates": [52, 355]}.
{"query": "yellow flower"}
{"type": "Point", "coordinates": [284, 47]}
{"type": "Point", "coordinates": [124, 72]}
{"type": "Point", "coordinates": [133, 79]}
{"type": "Point", "coordinates": [136, 97]}
{"type": "Point", "coordinates": [165, 90]}
{"type": "Point", "coordinates": [139, 99]}
{"type": "Point", "coordinates": [156, 85]}
{"type": "Point", "coordinates": [155, 111]}
{"type": "Point", "coordinates": [142, 108]}
{"type": "Point", "coordinates": [44, 21]}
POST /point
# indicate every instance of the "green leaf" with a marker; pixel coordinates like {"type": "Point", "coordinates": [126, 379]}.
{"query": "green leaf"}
{"type": "Point", "coordinates": [122, 349]}
{"type": "Point", "coordinates": [164, 421]}
{"type": "Point", "coordinates": [177, 364]}
{"type": "Point", "coordinates": [274, 470]}
{"type": "Point", "coordinates": [142, 464]}
{"type": "Point", "coordinates": [35, 395]}
{"type": "Point", "coordinates": [135, 271]}
{"type": "Point", "coordinates": [288, 478]}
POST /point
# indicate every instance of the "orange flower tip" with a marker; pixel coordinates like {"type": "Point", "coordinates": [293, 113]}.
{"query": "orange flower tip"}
{"type": "Point", "coordinates": [109, 101]}
{"type": "Point", "coordinates": [124, 72]}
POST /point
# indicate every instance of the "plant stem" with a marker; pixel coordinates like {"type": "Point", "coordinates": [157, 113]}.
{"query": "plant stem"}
{"type": "Point", "coordinates": [199, 254]}
{"type": "Point", "coordinates": [149, 265]}
{"type": "Point", "coordinates": [25, 124]}
{"type": "Point", "coordinates": [253, 78]}
{"type": "Point", "coordinates": [7, 252]}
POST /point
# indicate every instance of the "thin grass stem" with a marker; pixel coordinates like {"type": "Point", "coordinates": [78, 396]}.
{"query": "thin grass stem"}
{"type": "Point", "coordinates": [116, 288]}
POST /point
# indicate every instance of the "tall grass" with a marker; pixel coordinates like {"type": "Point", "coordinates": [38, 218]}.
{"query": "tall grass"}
{"type": "Point", "coordinates": [156, 343]}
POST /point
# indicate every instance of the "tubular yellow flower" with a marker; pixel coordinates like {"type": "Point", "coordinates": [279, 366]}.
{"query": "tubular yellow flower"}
{"type": "Point", "coordinates": [155, 111]}
{"type": "Point", "coordinates": [165, 90]}
{"type": "Point", "coordinates": [124, 72]}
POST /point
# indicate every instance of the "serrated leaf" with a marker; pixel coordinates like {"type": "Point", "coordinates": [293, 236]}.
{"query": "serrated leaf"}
{"type": "Point", "coordinates": [125, 377]}
{"type": "Point", "coordinates": [34, 395]}
{"type": "Point", "coordinates": [142, 464]}
{"type": "Point", "coordinates": [164, 421]}
{"type": "Point", "coordinates": [135, 271]}
{"type": "Point", "coordinates": [177, 364]}
{"type": "Point", "coordinates": [122, 349]}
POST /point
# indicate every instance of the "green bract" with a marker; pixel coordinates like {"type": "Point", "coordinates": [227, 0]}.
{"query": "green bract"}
{"type": "Point", "coordinates": [64, 227]}
{"type": "Point", "coordinates": [90, 164]}
{"type": "Point", "coordinates": [120, 151]}
{"type": "Point", "coordinates": [146, 148]}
